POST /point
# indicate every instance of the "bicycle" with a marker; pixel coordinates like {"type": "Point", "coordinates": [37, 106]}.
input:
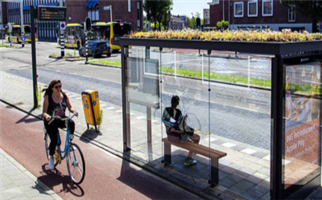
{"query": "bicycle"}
{"type": "Point", "coordinates": [75, 159]}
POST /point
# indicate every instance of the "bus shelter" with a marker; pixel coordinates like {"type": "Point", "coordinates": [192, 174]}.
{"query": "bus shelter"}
{"type": "Point", "coordinates": [259, 102]}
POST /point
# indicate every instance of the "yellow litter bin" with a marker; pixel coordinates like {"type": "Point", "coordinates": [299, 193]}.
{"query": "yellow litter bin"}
{"type": "Point", "coordinates": [91, 106]}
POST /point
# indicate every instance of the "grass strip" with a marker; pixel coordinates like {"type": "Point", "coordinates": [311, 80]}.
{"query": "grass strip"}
{"type": "Point", "coordinates": [221, 77]}
{"type": "Point", "coordinates": [4, 45]}
{"type": "Point", "coordinates": [108, 62]}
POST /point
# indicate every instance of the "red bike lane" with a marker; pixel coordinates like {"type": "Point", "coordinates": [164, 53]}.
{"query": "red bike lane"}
{"type": "Point", "coordinates": [107, 176]}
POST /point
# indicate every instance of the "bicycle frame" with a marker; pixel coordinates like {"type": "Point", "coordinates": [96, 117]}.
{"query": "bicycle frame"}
{"type": "Point", "coordinates": [63, 153]}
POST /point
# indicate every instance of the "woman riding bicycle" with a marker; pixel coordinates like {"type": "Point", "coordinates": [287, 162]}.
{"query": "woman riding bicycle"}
{"type": "Point", "coordinates": [55, 103]}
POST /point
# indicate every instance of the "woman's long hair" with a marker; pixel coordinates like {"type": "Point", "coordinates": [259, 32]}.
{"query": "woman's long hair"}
{"type": "Point", "coordinates": [49, 90]}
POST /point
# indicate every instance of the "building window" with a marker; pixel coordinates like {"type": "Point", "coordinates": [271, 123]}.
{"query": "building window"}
{"type": "Point", "coordinates": [291, 14]}
{"type": "Point", "coordinates": [129, 5]}
{"type": "Point", "coordinates": [252, 8]}
{"type": "Point", "coordinates": [239, 9]}
{"type": "Point", "coordinates": [267, 8]}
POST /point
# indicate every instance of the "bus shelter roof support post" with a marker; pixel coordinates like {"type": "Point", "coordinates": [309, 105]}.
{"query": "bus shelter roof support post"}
{"type": "Point", "coordinates": [276, 188]}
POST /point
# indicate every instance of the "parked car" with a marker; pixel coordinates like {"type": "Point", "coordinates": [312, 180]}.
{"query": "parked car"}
{"type": "Point", "coordinates": [96, 48]}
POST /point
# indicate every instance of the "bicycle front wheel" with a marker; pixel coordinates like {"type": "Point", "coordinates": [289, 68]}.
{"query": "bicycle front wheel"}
{"type": "Point", "coordinates": [75, 164]}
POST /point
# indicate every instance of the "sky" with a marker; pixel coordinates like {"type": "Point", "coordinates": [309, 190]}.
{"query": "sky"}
{"type": "Point", "coordinates": [186, 7]}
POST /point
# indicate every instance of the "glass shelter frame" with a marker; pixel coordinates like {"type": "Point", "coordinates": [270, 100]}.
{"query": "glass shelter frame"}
{"type": "Point", "coordinates": [280, 51]}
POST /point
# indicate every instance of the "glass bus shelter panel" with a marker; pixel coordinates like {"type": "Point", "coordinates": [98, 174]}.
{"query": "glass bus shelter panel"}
{"type": "Point", "coordinates": [180, 77]}
{"type": "Point", "coordinates": [240, 122]}
{"type": "Point", "coordinates": [302, 123]}
{"type": "Point", "coordinates": [143, 95]}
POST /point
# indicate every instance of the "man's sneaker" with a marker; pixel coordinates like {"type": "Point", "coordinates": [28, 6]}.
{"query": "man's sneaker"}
{"type": "Point", "coordinates": [190, 162]}
{"type": "Point", "coordinates": [51, 163]}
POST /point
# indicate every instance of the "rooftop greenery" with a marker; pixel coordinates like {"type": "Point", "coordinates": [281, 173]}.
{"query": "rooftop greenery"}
{"type": "Point", "coordinates": [234, 35]}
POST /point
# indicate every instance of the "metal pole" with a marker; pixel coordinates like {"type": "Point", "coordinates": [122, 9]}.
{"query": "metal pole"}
{"type": "Point", "coordinates": [86, 45]}
{"type": "Point", "coordinates": [1, 13]}
{"type": "Point", "coordinates": [22, 28]}
{"type": "Point", "coordinates": [62, 43]}
{"type": "Point", "coordinates": [228, 14]}
{"type": "Point", "coordinates": [223, 9]}
{"type": "Point", "coordinates": [111, 13]}
{"type": "Point", "coordinates": [62, 39]}
{"type": "Point", "coordinates": [33, 56]}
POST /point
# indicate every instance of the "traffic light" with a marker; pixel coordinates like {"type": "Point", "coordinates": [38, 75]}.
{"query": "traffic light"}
{"type": "Point", "coordinates": [198, 23]}
{"type": "Point", "coordinates": [88, 24]}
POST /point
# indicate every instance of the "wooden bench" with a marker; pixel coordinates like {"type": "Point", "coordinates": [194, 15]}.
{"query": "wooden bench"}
{"type": "Point", "coordinates": [213, 154]}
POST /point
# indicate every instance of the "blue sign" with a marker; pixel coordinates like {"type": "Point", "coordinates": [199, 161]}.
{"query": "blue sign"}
{"type": "Point", "coordinates": [182, 18]}
{"type": "Point", "coordinates": [62, 25]}
{"type": "Point", "coordinates": [23, 38]}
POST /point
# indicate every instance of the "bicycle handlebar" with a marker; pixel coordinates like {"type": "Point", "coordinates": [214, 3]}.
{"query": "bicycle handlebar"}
{"type": "Point", "coordinates": [63, 119]}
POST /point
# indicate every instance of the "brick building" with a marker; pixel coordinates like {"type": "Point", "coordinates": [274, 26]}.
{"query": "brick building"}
{"type": "Point", "coordinates": [243, 14]}
{"type": "Point", "coordinates": [125, 11]}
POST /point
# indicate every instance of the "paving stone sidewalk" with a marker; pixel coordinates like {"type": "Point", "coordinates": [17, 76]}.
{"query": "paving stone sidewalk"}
{"type": "Point", "coordinates": [16, 182]}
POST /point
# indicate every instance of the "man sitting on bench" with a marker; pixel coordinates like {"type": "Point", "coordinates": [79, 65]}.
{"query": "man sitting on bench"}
{"type": "Point", "coordinates": [177, 129]}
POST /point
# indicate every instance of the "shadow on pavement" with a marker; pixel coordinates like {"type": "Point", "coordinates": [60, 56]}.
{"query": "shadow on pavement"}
{"type": "Point", "coordinates": [30, 120]}
{"type": "Point", "coordinates": [141, 181]}
{"type": "Point", "coordinates": [53, 178]}
{"type": "Point", "coordinates": [89, 135]}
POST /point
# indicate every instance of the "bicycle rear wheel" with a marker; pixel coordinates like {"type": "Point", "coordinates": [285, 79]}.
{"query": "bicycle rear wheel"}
{"type": "Point", "coordinates": [75, 164]}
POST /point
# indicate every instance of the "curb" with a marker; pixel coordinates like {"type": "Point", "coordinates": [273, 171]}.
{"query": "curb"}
{"type": "Point", "coordinates": [46, 189]}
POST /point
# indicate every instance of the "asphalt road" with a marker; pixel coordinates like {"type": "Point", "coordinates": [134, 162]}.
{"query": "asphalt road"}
{"type": "Point", "coordinates": [107, 176]}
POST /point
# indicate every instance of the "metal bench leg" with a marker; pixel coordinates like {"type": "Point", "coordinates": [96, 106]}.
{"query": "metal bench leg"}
{"type": "Point", "coordinates": [167, 153]}
{"type": "Point", "coordinates": [214, 172]}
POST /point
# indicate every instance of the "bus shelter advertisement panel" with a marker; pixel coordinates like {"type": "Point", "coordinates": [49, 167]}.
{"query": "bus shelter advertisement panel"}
{"type": "Point", "coordinates": [302, 123]}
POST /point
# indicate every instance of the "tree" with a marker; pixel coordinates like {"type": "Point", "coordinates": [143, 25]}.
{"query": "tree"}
{"type": "Point", "coordinates": [311, 8]}
{"type": "Point", "coordinates": [192, 21]}
{"type": "Point", "coordinates": [157, 10]}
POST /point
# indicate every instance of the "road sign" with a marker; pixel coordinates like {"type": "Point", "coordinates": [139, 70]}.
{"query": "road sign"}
{"type": "Point", "coordinates": [182, 18]}
{"type": "Point", "coordinates": [62, 25]}
{"type": "Point", "coordinates": [50, 13]}
{"type": "Point", "coordinates": [106, 8]}
{"type": "Point", "coordinates": [23, 38]}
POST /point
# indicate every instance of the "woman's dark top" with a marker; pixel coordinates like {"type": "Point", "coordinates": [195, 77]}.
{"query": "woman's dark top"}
{"type": "Point", "coordinates": [58, 109]}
